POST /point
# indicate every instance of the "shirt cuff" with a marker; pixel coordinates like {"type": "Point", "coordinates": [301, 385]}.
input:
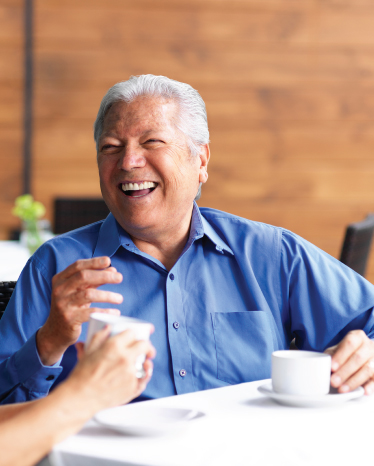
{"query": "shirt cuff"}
{"type": "Point", "coordinates": [32, 373]}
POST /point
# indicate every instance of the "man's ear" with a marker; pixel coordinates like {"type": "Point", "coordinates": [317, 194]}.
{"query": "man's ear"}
{"type": "Point", "coordinates": [204, 159]}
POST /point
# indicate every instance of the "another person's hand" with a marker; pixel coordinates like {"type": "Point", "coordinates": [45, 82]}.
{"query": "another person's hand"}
{"type": "Point", "coordinates": [352, 363]}
{"type": "Point", "coordinates": [105, 375]}
{"type": "Point", "coordinates": [73, 291]}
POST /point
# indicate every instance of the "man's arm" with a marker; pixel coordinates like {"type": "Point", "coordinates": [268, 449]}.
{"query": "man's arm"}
{"type": "Point", "coordinates": [330, 306]}
{"type": "Point", "coordinates": [30, 357]}
{"type": "Point", "coordinates": [22, 375]}
{"type": "Point", "coordinates": [103, 378]}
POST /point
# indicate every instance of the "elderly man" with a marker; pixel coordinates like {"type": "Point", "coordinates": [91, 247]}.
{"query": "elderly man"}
{"type": "Point", "coordinates": [222, 292]}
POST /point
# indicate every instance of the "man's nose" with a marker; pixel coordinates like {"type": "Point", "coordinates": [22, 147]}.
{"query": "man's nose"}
{"type": "Point", "coordinates": [131, 158]}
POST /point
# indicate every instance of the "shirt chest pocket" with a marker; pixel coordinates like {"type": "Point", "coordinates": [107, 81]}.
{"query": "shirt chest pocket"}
{"type": "Point", "coordinates": [244, 343]}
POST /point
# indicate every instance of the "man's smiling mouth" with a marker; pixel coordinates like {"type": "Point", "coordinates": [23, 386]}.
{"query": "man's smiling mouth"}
{"type": "Point", "coordinates": [138, 189]}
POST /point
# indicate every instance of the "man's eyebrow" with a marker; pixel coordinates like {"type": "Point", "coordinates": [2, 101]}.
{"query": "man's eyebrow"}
{"type": "Point", "coordinates": [111, 134]}
{"type": "Point", "coordinates": [108, 135]}
{"type": "Point", "coordinates": [149, 131]}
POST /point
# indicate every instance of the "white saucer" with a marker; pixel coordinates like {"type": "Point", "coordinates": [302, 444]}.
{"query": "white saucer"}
{"type": "Point", "coordinates": [317, 401]}
{"type": "Point", "coordinates": [142, 419]}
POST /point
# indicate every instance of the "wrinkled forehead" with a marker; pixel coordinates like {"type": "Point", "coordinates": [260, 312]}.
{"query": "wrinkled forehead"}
{"type": "Point", "coordinates": [144, 113]}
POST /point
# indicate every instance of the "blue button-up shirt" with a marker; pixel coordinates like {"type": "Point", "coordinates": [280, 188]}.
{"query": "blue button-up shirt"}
{"type": "Point", "coordinates": [239, 290]}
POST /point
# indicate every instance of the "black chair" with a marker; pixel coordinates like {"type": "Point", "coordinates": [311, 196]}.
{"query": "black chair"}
{"type": "Point", "coordinates": [72, 213]}
{"type": "Point", "coordinates": [357, 243]}
{"type": "Point", "coordinates": [6, 290]}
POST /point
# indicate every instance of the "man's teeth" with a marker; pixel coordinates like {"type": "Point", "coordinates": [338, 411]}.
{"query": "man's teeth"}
{"type": "Point", "coordinates": [138, 187]}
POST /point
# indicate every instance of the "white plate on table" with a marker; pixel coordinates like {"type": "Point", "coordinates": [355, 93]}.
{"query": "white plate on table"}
{"type": "Point", "coordinates": [142, 419]}
{"type": "Point", "coordinates": [317, 401]}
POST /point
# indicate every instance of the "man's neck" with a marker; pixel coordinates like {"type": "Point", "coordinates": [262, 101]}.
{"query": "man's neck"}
{"type": "Point", "coordinates": [167, 254]}
{"type": "Point", "coordinates": [165, 245]}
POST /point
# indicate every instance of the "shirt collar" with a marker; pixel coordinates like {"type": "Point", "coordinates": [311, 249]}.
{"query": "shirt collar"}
{"type": "Point", "coordinates": [200, 227]}
{"type": "Point", "coordinates": [112, 236]}
{"type": "Point", "coordinates": [109, 239]}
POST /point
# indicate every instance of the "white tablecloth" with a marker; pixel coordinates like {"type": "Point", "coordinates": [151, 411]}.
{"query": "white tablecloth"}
{"type": "Point", "coordinates": [13, 257]}
{"type": "Point", "coordinates": [240, 427]}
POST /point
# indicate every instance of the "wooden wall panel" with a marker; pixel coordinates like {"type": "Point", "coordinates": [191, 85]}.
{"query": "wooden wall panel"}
{"type": "Point", "coordinates": [288, 97]}
{"type": "Point", "coordinates": [11, 87]}
{"type": "Point", "coordinates": [288, 86]}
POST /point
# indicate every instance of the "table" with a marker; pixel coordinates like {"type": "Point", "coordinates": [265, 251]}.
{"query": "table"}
{"type": "Point", "coordinates": [240, 427]}
{"type": "Point", "coordinates": [13, 257]}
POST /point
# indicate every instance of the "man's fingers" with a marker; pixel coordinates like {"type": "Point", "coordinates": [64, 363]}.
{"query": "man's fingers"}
{"type": "Point", "coordinates": [83, 281]}
{"type": "Point", "coordinates": [94, 278]}
{"type": "Point", "coordinates": [353, 362]}
{"type": "Point", "coordinates": [349, 345]}
{"type": "Point", "coordinates": [92, 295]}
{"type": "Point", "coordinates": [365, 373]}
{"type": "Point", "coordinates": [84, 314]}
{"type": "Point", "coordinates": [111, 269]}
{"type": "Point", "coordinates": [356, 361]}
{"type": "Point", "coordinates": [331, 350]}
{"type": "Point", "coordinates": [96, 263]}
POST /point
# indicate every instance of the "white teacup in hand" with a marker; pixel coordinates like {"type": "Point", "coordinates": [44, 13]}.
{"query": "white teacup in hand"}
{"type": "Point", "coordinates": [141, 328]}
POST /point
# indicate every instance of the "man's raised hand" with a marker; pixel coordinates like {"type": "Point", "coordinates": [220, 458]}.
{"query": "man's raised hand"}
{"type": "Point", "coordinates": [73, 291]}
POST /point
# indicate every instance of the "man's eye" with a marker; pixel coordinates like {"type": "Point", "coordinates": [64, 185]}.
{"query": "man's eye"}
{"type": "Point", "coordinates": [150, 141]}
{"type": "Point", "coordinates": [108, 146]}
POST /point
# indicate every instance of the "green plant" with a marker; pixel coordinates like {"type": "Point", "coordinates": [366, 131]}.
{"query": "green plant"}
{"type": "Point", "coordinates": [29, 211]}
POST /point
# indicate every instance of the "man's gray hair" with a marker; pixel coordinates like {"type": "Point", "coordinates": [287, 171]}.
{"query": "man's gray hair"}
{"type": "Point", "coordinates": [192, 121]}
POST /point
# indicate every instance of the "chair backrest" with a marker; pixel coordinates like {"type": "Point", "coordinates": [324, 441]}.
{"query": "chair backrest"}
{"type": "Point", "coordinates": [72, 213]}
{"type": "Point", "coordinates": [357, 243]}
{"type": "Point", "coordinates": [6, 290]}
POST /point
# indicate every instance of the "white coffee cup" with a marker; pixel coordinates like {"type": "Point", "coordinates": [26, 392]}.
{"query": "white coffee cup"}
{"type": "Point", "coordinates": [141, 328]}
{"type": "Point", "coordinates": [300, 372]}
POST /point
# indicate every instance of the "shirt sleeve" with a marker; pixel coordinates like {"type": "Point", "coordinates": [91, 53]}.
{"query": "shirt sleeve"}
{"type": "Point", "coordinates": [23, 377]}
{"type": "Point", "coordinates": [325, 299]}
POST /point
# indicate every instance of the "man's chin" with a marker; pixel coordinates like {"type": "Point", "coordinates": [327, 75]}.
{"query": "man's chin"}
{"type": "Point", "coordinates": [143, 219]}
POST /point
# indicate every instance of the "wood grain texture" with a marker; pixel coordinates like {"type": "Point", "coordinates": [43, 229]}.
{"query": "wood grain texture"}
{"type": "Point", "coordinates": [164, 24]}
{"type": "Point", "coordinates": [288, 86]}
{"type": "Point", "coordinates": [199, 5]}
{"type": "Point", "coordinates": [11, 95]}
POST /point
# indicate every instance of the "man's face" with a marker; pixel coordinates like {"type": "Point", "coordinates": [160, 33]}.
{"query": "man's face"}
{"type": "Point", "coordinates": [141, 144]}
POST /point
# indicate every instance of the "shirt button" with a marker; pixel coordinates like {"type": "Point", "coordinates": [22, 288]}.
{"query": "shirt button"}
{"type": "Point", "coordinates": [50, 377]}
{"type": "Point", "coordinates": [176, 325]}
{"type": "Point", "coordinates": [171, 276]}
{"type": "Point", "coordinates": [182, 372]}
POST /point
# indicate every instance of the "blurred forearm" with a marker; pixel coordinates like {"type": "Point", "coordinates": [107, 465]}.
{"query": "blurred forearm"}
{"type": "Point", "coordinates": [104, 377]}
{"type": "Point", "coordinates": [9, 411]}
{"type": "Point", "coordinates": [33, 428]}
